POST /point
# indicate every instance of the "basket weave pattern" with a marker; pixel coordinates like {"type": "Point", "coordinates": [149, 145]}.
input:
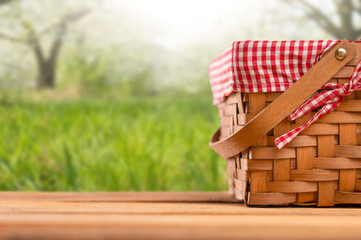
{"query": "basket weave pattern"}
{"type": "Point", "coordinates": [321, 166]}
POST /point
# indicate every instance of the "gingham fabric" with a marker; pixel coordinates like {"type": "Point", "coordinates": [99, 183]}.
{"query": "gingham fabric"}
{"type": "Point", "coordinates": [328, 99]}
{"type": "Point", "coordinates": [263, 66]}
{"type": "Point", "coordinates": [273, 66]}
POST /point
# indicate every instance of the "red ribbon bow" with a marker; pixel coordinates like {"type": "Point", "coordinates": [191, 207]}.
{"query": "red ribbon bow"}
{"type": "Point", "coordinates": [328, 99]}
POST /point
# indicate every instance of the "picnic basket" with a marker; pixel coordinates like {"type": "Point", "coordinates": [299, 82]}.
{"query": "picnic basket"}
{"type": "Point", "coordinates": [320, 164]}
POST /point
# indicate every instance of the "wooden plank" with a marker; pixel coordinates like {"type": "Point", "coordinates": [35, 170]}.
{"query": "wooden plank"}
{"type": "Point", "coordinates": [255, 198]}
{"type": "Point", "coordinates": [242, 118]}
{"type": "Point", "coordinates": [109, 215]}
{"type": "Point", "coordinates": [38, 202]}
{"type": "Point", "coordinates": [118, 196]}
{"type": "Point", "coordinates": [270, 96]}
{"type": "Point", "coordinates": [326, 195]}
{"type": "Point", "coordinates": [240, 189]}
{"type": "Point", "coordinates": [348, 134]}
{"type": "Point", "coordinates": [258, 181]}
{"type": "Point", "coordinates": [336, 163]}
{"type": "Point", "coordinates": [179, 227]}
{"type": "Point", "coordinates": [314, 175]}
{"type": "Point", "coordinates": [326, 147]}
{"type": "Point", "coordinates": [230, 110]}
{"type": "Point", "coordinates": [305, 161]}
{"type": "Point", "coordinates": [292, 186]}
{"type": "Point", "coordinates": [305, 158]}
{"type": "Point", "coordinates": [257, 102]}
{"type": "Point", "coordinates": [281, 167]}
{"type": "Point", "coordinates": [250, 164]}
{"type": "Point", "coordinates": [231, 173]}
{"type": "Point", "coordinates": [240, 104]}
{"type": "Point", "coordinates": [341, 117]}
{"type": "Point", "coordinates": [350, 106]}
{"type": "Point", "coordinates": [347, 180]}
{"type": "Point", "coordinates": [347, 197]}
{"type": "Point", "coordinates": [242, 174]}
{"type": "Point", "coordinates": [231, 99]}
{"type": "Point", "coordinates": [320, 129]}
{"type": "Point", "coordinates": [227, 121]}
{"type": "Point", "coordinates": [358, 185]}
{"type": "Point", "coordinates": [358, 94]}
{"type": "Point", "coordinates": [348, 137]}
{"type": "Point", "coordinates": [272, 153]}
{"type": "Point", "coordinates": [225, 131]}
{"type": "Point", "coordinates": [348, 151]}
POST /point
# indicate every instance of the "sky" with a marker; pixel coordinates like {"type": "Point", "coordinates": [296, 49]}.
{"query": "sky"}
{"type": "Point", "coordinates": [191, 33]}
{"type": "Point", "coordinates": [178, 37]}
{"type": "Point", "coordinates": [178, 23]}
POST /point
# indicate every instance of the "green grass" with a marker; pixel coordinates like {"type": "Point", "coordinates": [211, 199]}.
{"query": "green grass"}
{"type": "Point", "coordinates": [158, 143]}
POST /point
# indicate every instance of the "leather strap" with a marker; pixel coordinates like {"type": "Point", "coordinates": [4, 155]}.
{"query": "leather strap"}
{"type": "Point", "coordinates": [285, 104]}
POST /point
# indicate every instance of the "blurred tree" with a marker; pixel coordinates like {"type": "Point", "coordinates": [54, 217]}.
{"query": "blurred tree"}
{"type": "Point", "coordinates": [345, 12]}
{"type": "Point", "coordinates": [5, 1]}
{"type": "Point", "coordinates": [31, 36]}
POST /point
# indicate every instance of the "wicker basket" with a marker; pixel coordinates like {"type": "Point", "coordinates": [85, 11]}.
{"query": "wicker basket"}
{"type": "Point", "coordinates": [321, 166]}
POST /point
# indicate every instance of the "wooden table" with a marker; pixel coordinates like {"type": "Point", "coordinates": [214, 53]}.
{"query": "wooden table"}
{"type": "Point", "coordinates": [209, 215]}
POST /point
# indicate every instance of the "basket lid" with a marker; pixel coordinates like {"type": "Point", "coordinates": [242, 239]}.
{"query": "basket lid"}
{"type": "Point", "coordinates": [263, 66]}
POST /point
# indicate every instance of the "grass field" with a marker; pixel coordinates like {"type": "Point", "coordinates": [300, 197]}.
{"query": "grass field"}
{"type": "Point", "coordinates": [158, 143]}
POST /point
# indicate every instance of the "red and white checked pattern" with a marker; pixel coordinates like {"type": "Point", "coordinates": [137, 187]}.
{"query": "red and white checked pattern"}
{"type": "Point", "coordinates": [263, 66]}
{"type": "Point", "coordinates": [273, 66]}
{"type": "Point", "coordinates": [328, 99]}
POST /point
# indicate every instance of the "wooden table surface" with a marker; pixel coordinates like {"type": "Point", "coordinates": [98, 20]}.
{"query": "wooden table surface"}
{"type": "Point", "coordinates": [208, 215]}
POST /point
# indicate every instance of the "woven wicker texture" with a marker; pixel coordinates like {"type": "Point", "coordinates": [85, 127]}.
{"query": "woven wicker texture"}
{"type": "Point", "coordinates": [321, 166]}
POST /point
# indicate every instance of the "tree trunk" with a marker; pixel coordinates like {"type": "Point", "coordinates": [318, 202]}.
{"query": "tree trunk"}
{"type": "Point", "coordinates": [47, 65]}
{"type": "Point", "coordinates": [46, 76]}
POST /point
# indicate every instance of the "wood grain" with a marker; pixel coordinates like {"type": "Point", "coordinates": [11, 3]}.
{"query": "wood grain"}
{"type": "Point", "coordinates": [320, 129]}
{"type": "Point", "coordinates": [292, 186]}
{"type": "Point", "coordinates": [341, 117]}
{"type": "Point", "coordinates": [337, 163]}
{"type": "Point", "coordinates": [326, 193]}
{"type": "Point", "coordinates": [272, 153]}
{"type": "Point", "coordinates": [281, 167]}
{"type": "Point", "coordinates": [350, 106]}
{"type": "Point", "coordinates": [304, 162]}
{"type": "Point", "coordinates": [167, 216]}
{"type": "Point", "coordinates": [348, 136]}
{"type": "Point", "coordinates": [314, 175]}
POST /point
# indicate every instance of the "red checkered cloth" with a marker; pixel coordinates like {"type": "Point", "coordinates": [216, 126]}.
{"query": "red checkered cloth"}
{"type": "Point", "coordinates": [273, 66]}
{"type": "Point", "coordinates": [328, 99]}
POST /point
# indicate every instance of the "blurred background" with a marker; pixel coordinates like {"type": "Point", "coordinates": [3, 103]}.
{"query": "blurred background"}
{"type": "Point", "coordinates": [113, 95]}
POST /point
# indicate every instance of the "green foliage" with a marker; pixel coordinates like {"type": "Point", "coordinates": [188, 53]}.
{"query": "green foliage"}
{"type": "Point", "coordinates": [110, 145]}
{"type": "Point", "coordinates": [109, 72]}
{"type": "Point", "coordinates": [88, 72]}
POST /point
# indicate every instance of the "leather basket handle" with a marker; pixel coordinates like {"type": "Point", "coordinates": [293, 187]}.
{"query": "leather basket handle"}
{"type": "Point", "coordinates": [285, 104]}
